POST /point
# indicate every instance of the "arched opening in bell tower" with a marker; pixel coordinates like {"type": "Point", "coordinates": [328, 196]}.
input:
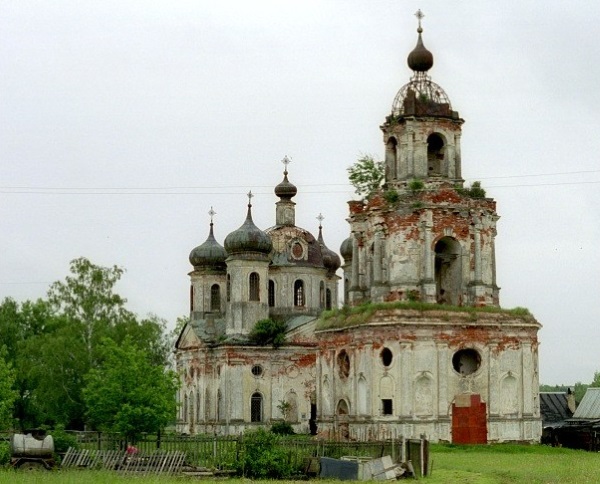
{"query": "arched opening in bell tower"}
{"type": "Point", "coordinates": [448, 271]}
{"type": "Point", "coordinates": [391, 159]}
{"type": "Point", "coordinates": [436, 150]}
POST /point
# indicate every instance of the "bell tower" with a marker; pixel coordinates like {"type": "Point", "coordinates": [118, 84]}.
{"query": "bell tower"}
{"type": "Point", "coordinates": [423, 236]}
{"type": "Point", "coordinates": [422, 133]}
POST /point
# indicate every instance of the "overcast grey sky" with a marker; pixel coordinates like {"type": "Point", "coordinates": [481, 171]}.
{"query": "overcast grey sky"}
{"type": "Point", "coordinates": [123, 122]}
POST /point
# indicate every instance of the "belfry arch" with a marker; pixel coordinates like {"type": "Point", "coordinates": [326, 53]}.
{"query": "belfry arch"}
{"type": "Point", "coordinates": [448, 271]}
{"type": "Point", "coordinates": [436, 152]}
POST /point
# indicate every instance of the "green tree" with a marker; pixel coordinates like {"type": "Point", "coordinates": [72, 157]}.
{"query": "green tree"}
{"type": "Point", "coordinates": [366, 176]}
{"type": "Point", "coordinates": [8, 394]}
{"type": "Point", "coordinates": [127, 393]}
{"type": "Point", "coordinates": [87, 298]}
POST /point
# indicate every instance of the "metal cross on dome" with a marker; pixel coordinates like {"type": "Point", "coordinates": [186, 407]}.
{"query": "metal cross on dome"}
{"type": "Point", "coordinates": [212, 213]}
{"type": "Point", "coordinates": [250, 196]}
{"type": "Point", "coordinates": [419, 16]}
{"type": "Point", "coordinates": [320, 218]}
{"type": "Point", "coordinates": [286, 161]}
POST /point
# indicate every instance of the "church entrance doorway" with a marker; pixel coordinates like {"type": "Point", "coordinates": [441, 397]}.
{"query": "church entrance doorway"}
{"type": "Point", "coordinates": [469, 419]}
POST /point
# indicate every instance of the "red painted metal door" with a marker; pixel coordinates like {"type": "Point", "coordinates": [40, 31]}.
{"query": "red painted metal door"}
{"type": "Point", "coordinates": [469, 420]}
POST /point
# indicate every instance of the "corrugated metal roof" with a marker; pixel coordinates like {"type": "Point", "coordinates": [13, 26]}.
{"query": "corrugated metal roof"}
{"type": "Point", "coordinates": [554, 407]}
{"type": "Point", "coordinates": [589, 408]}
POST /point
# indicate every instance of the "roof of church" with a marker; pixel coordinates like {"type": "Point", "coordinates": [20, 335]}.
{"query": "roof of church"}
{"type": "Point", "coordinates": [421, 96]}
{"type": "Point", "coordinates": [589, 408]}
{"type": "Point", "coordinates": [248, 238]}
{"type": "Point", "coordinates": [210, 254]}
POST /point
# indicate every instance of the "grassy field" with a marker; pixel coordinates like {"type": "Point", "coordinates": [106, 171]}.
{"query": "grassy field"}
{"type": "Point", "coordinates": [499, 464]}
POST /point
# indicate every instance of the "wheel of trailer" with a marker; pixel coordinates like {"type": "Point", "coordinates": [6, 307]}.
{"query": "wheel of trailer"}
{"type": "Point", "coordinates": [32, 466]}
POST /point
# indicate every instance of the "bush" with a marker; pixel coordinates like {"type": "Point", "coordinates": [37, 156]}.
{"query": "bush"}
{"type": "Point", "coordinates": [62, 439]}
{"type": "Point", "coordinates": [282, 428]}
{"type": "Point", "coordinates": [268, 331]}
{"type": "Point", "coordinates": [391, 196]}
{"type": "Point", "coordinates": [4, 454]}
{"type": "Point", "coordinates": [416, 185]}
{"type": "Point", "coordinates": [262, 457]}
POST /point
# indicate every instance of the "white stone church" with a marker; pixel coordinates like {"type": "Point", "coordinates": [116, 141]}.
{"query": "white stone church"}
{"type": "Point", "coordinates": [421, 345]}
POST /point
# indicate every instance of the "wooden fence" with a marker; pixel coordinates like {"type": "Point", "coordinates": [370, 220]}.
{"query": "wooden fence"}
{"type": "Point", "coordinates": [221, 452]}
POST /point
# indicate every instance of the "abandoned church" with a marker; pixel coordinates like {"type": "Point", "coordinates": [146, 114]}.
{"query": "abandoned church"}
{"type": "Point", "coordinates": [420, 346]}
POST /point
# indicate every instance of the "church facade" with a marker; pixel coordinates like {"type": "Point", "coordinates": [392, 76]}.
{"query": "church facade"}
{"type": "Point", "coordinates": [422, 346]}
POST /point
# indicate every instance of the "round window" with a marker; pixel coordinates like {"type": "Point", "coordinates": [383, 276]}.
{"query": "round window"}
{"type": "Point", "coordinates": [257, 370]}
{"type": "Point", "coordinates": [466, 361]}
{"type": "Point", "coordinates": [297, 250]}
{"type": "Point", "coordinates": [386, 357]}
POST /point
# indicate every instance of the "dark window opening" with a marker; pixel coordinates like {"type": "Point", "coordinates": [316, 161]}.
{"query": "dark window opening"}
{"type": "Point", "coordinates": [254, 294]}
{"type": "Point", "coordinates": [215, 298]}
{"type": "Point", "coordinates": [256, 408]}
{"type": "Point", "coordinates": [466, 362]}
{"type": "Point", "coordinates": [435, 154]}
{"type": "Point", "coordinates": [328, 299]}
{"type": "Point", "coordinates": [228, 287]}
{"type": "Point", "coordinates": [271, 293]}
{"type": "Point", "coordinates": [257, 370]}
{"type": "Point", "coordinates": [386, 357]}
{"type": "Point", "coordinates": [191, 298]}
{"type": "Point", "coordinates": [387, 406]}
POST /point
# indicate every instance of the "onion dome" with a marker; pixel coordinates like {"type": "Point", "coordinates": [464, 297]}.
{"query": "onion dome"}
{"type": "Point", "coordinates": [331, 260]}
{"type": "Point", "coordinates": [209, 255]}
{"type": "Point", "coordinates": [248, 238]}
{"type": "Point", "coordinates": [420, 59]}
{"type": "Point", "coordinates": [346, 249]}
{"type": "Point", "coordinates": [286, 190]}
{"type": "Point", "coordinates": [421, 96]}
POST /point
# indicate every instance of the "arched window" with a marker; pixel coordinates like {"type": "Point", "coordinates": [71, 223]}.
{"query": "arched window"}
{"type": "Point", "coordinates": [215, 298]}
{"type": "Point", "coordinates": [328, 299]}
{"type": "Point", "coordinates": [435, 154]}
{"type": "Point", "coordinates": [322, 295]}
{"type": "Point", "coordinates": [390, 158]}
{"type": "Point", "coordinates": [254, 293]}
{"type": "Point", "coordinates": [191, 416]}
{"type": "Point", "coordinates": [271, 293]}
{"type": "Point", "coordinates": [198, 406]}
{"type": "Point", "coordinates": [299, 293]}
{"type": "Point", "coordinates": [191, 298]}
{"type": "Point", "coordinates": [228, 287]}
{"type": "Point", "coordinates": [343, 361]}
{"type": "Point", "coordinates": [256, 404]}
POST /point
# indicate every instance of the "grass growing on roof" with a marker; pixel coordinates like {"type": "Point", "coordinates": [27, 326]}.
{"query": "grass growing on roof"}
{"type": "Point", "coordinates": [347, 316]}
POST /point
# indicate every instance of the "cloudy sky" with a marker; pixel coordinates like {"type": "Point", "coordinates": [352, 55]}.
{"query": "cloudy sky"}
{"type": "Point", "coordinates": [122, 122]}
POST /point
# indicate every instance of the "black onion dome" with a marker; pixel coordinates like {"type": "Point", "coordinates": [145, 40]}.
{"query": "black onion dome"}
{"type": "Point", "coordinates": [346, 249]}
{"type": "Point", "coordinates": [420, 59]}
{"type": "Point", "coordinates": [208, 255]}
{"type": "Point", "coordinates": [248, 238]}
{"type": "Point", "coordinates": [331, 260]}
{"type": "Point", "coordinates": [285, 189]}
